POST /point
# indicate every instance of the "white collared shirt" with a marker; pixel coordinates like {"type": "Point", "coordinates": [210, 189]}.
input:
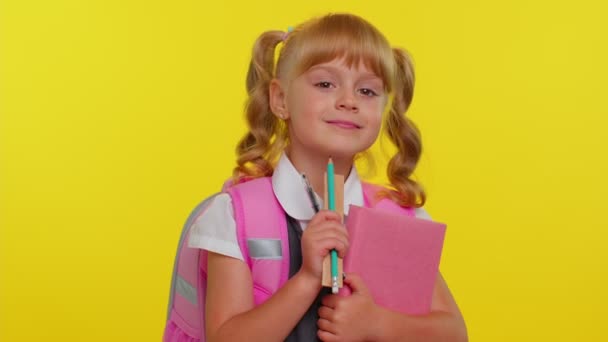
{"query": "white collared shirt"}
{"type": "Point", "coordinates": [215, 229]}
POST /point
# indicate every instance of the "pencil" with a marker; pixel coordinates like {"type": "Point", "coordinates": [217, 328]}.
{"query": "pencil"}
{"type": "Point", "coordinates": [331, 205]}
{"type": "Point", "coordinates": [311, 194]}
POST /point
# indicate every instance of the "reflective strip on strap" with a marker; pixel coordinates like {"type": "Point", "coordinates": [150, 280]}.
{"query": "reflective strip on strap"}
{"type": "Point", "coordinates": [186, 290]}
{"type": "Point", "coordinates": [265, 248]}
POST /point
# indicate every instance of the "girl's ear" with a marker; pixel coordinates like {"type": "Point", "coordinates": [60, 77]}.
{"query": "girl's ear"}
{"type": "Point", "coordinates": [278, 103]}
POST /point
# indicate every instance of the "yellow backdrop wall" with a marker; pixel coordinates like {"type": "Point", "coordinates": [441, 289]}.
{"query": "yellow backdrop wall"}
{"type": "Point", "coordinates": [118, 117]}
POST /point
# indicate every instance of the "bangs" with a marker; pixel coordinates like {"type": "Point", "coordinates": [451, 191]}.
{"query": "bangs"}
{"type": "Point", "coordinates": [337, 36]}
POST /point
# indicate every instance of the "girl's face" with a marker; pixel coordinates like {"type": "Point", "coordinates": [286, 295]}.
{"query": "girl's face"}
{"type": "Point", "coordinates": [334, 110]}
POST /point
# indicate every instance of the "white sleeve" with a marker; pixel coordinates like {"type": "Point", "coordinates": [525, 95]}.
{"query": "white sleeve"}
{"type": "Point", "coordinates": [422, 214]}
{"type": "Point", "coordinates": [215, 229]}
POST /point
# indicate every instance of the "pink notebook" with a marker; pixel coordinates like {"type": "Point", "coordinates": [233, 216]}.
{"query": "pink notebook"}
{"type": "Point", "coordinates": [397, 257]}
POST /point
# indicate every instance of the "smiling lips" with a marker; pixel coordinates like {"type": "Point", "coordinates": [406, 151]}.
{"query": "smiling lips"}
{"type": "Point", "coordinates": [343, 124]}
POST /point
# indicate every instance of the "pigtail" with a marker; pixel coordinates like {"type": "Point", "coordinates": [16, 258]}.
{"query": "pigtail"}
{"type": "Point", "coordinates": [262, 143]}
{"type": "Point", "coordinates": [405, 135]}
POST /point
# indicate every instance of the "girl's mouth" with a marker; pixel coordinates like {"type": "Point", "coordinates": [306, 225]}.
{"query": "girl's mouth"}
{"type": "Point", "coordinates": [343, 124]}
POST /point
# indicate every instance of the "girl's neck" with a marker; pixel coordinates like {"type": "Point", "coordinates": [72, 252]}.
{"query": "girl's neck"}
{"type": "Point", "coordinates": [315, 167]}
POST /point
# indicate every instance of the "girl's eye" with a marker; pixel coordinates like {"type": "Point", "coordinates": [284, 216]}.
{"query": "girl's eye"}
{"type": "Point", "coordinates": [324, 84]}
{"type": "Point", "coordinates": [368, 92]}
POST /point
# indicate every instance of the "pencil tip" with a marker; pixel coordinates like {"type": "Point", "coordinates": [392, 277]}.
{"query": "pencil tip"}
{"type": "Point", "coordinates": [330, 160]}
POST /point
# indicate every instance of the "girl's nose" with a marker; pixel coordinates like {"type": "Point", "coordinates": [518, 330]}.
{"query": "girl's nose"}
{"type": "Point", "coordinates": [347, 101]}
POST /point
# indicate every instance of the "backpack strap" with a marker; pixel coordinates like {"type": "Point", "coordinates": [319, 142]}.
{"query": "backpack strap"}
{"type": "Point", "coordinates": [262, 235]}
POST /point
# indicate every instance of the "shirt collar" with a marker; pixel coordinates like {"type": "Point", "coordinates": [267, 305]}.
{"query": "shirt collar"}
{"type": "Point", "coordinates": [290, 190]}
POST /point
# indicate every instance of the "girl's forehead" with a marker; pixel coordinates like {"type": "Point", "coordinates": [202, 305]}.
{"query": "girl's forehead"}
{"type": "Point", "coordinates": [340, 65]}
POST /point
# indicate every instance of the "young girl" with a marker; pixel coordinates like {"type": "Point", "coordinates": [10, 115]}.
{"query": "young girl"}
{"type": "Point", "coordinates": [325, 97]}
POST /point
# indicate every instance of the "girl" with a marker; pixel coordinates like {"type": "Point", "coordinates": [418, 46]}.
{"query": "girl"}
{"type": "Point", "coordinates": [325, 96]}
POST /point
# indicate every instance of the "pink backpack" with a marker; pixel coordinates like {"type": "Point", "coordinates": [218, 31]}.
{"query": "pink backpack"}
{"type": "Point", "coordinates": [262, 237]}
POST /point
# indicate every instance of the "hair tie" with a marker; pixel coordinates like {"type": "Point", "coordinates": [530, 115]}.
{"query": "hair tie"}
{"type": "Point", "coordinates": [289, 30]}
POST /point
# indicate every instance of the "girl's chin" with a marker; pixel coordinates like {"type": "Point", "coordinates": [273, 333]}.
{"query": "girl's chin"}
{"type": "Point", "coordinates": [335, 148]}
{"type": "Point", "coordinates": [339, 152]}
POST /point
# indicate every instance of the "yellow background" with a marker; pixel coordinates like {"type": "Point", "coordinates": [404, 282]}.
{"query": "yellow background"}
{"type": "Point", "coordinates": [118, 117]}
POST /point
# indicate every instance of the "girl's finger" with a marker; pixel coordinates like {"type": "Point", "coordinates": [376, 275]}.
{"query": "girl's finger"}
{"type": "Point", "coordinates": [335, 232]}
{"type": "Point", "coordinates": [326, 312]}
{"type": "Point", "coordinates": [324, 215]}
{"type": "Point", "coordinates": [326, 336]}
{"type": "Point", "coordinates": [324, 246]}
{"type": "Point", "coordinates": [334, 227]}
{"type": "Point", "coordinates": [326, 325]}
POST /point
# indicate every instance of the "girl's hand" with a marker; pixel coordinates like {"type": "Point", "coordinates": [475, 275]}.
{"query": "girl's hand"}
{"type": "Point", "coordinates": [348, 318]}
{"type": "Point", "coordinates": [324, 233]}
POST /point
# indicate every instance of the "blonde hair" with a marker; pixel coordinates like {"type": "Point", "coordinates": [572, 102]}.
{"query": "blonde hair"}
{"type": "Point", "coordinates": [318, 41]}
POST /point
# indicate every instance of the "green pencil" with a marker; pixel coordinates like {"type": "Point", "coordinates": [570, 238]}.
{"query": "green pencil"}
{"type": "Point", "coordinates": [331, 205]}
